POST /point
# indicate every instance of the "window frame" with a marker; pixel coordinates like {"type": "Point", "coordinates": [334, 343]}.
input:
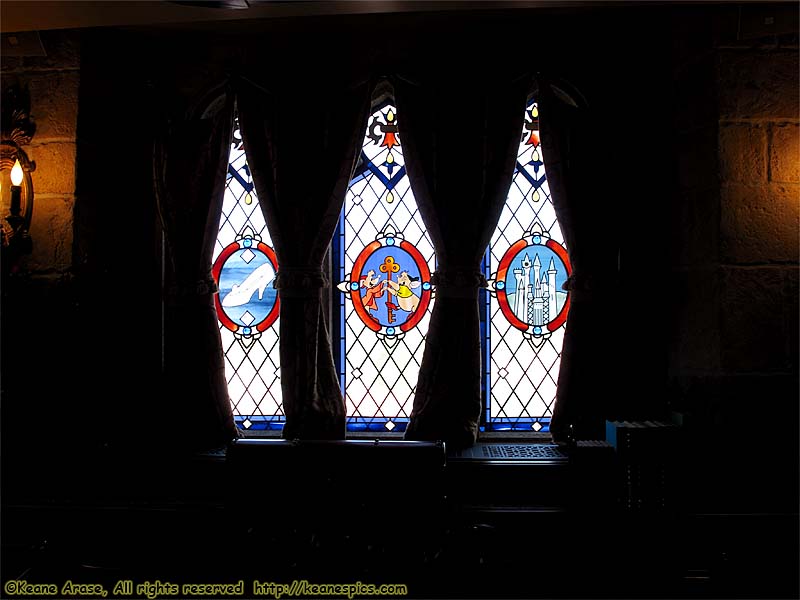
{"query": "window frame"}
{"type": "Point", "coordinates": [382, 97]}
{"type": "Point", "coordinates": [486, 428]}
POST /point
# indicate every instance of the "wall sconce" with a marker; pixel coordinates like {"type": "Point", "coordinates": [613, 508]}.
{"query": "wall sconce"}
{"type": "Point", "coordinates": [16, 191]}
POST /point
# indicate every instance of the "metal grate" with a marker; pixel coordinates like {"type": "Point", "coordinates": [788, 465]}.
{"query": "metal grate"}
{"type": "Point", "coordinates": [526, 451]}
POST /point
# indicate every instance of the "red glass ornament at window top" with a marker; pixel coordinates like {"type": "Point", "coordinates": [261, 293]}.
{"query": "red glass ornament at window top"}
{"type": "Point", "coordinates": [390, 139]}
{"type": "Point", "coordinates": [388, 129]}
{"type": "Point", "coordinates": [533, 126]}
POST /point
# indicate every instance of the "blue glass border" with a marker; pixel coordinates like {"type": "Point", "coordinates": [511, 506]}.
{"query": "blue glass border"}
{"type": "Point", "coordinates": [520, 424]}
{"type": "Point", "coordinates": [354, 424]}
{"type": "Point", "coordinates": [338, 316]}
{"type": "Point", "coordinates": [502, 423]}
{"type": "Point", "coordinates": [376, 424]}
{"type": "Point", "coordinates": [260, 422]}
{"type": "Point", "coordinates": [485, 316]}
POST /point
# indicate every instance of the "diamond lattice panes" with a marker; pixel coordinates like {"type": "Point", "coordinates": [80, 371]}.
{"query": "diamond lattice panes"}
{"type": "Point", "coordinates": [527, 265]}
{"type": "Point", "coordinates": [247, 304]}
{"type": "Point", "coordinates": [384, 258]}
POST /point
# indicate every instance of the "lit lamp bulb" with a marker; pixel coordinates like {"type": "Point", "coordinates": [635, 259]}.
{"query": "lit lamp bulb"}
{"type": "Point", "coordinates": [16, 174]}
{"type": "Point", "coordinates": [16, 190]}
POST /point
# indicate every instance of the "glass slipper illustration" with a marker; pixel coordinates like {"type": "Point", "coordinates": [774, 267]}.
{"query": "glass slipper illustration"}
{"type": "Point", "coordinates": [259, 279]}
{"type": "Point", "coordinates": [244, 267]}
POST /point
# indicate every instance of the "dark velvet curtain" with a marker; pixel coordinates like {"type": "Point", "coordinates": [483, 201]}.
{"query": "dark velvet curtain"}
{"type": "Point", "coordinates": [570, 145]}
{"type": "Point", "coordinates": [190, 162]}
{"type": "Point", "coordinates": [460, 136]}
{"type": "Point", "coordinates": [301, 138]}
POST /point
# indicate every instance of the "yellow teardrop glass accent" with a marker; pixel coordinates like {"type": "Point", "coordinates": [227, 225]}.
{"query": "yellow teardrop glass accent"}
{"type": "Point", "coordinates": [390, 159]}
{"type": "Point", "coordinates": [248, 199]}
{"type": "Point", "coordinates": [390, 116]}
{"type": "Point", "coordinates": [535, 155]}
{"type": "Point", "coordinates": [535, 111]}
{"type": "Point", "coordinates": [390, 197]}
{"type": "Point", "coordinates": [536, 196]}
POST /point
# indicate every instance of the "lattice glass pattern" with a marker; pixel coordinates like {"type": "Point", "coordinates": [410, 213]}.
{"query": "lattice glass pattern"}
{"type": "Point", "coordinates": [522, 376]}
{"type": "Point", "coordinates": [378, 376]}
{"type": "Point", "coordinates": [252, 365]}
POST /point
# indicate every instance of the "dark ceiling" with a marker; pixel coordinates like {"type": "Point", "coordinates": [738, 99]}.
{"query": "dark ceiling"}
{"type": "Point", "coordinates": [27, 15]}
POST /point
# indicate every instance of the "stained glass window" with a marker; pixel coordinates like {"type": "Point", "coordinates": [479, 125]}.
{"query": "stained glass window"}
{"type": "Point", "coordinates": [384, 259]}
{"type": "Point", "coordinates": [526, 309]}
{"type": "Point", "coordinates": [244, 267]}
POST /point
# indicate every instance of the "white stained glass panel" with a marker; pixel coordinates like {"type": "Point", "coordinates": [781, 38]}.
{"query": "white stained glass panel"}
{"type": "Point", "coordinates": [251, 363]}
{"type": "Point", "coordinates": [380, 376]}
{"type": "Point", "coordinates": [522, 375]}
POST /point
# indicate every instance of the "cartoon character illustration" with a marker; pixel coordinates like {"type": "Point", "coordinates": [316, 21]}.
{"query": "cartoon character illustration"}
{"type": "Point", "coordinates": [401, 290]}
{"type": "Point", "coordinates": [374, 289]}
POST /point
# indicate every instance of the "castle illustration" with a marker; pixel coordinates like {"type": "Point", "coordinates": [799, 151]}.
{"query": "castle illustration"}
{"type": "Point", "coordinates": [536, 301]}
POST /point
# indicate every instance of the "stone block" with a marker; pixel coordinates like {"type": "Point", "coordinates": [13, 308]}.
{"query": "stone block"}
{"type": "Point", "coordinates": [10, 64]}
{"type": "Point", "coordinates": [691, 34]}
{"type": "Point", "coordinates": [758, 84]}
{"type": "Point", "coordinates": [54, 104]}
{"type": "Point", "coordinates": [725, 26]}
{"type": "Point", "coordinates": [752, 335]}
{"type": "Point", "coordinates": [791, 312]}
{"type": "Point", "coordinates": [764, 407]}
{"type": "Point", "coordinates": [698, 163]}
{"type": "Point", "coordinates": [694, 307]}
{"type": "Point", "coordinates": [759, 224]}
{"type": "Point", "coordinates": [51, 231]}
{"type": "Point", "coordinates": [743, 152]}
{"type": "Point", "coordinates": [766, 402]}
{"type": "Point", "coordinates": [55, 167]}
{"type": "Point", "coordinates": [784, 153]}
{"type": "Point", "coordinates": [63, 51]}
{"type": "Point", "coordinates": [789, 41]}
{"type": "Point", "coordinates": [761, 24]}
{"type": "Point", "coordinates": [694, 233]}
{"type": "Point", "coordinates": [696, 95]}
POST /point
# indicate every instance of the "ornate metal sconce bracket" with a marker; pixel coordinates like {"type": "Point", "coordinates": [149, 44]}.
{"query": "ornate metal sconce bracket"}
{"type": "Point", "coordinates": [16, 131]}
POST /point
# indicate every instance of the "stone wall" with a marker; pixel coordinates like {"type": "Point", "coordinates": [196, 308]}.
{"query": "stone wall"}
{"type": "Point", "coordinates": [734, 243]}
{"type": "Point", "coordinates": [53, 83]}
{"type": "Point", "coordinates": [41, 334]}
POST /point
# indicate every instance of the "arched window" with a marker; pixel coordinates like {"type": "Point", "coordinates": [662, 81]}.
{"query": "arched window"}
{"type": "Point", "coordinates": [244, 266]}
{"type": "Point", "coordinates": [526, 309]}
{"type": "Point", "coordinates": [383, 259]}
